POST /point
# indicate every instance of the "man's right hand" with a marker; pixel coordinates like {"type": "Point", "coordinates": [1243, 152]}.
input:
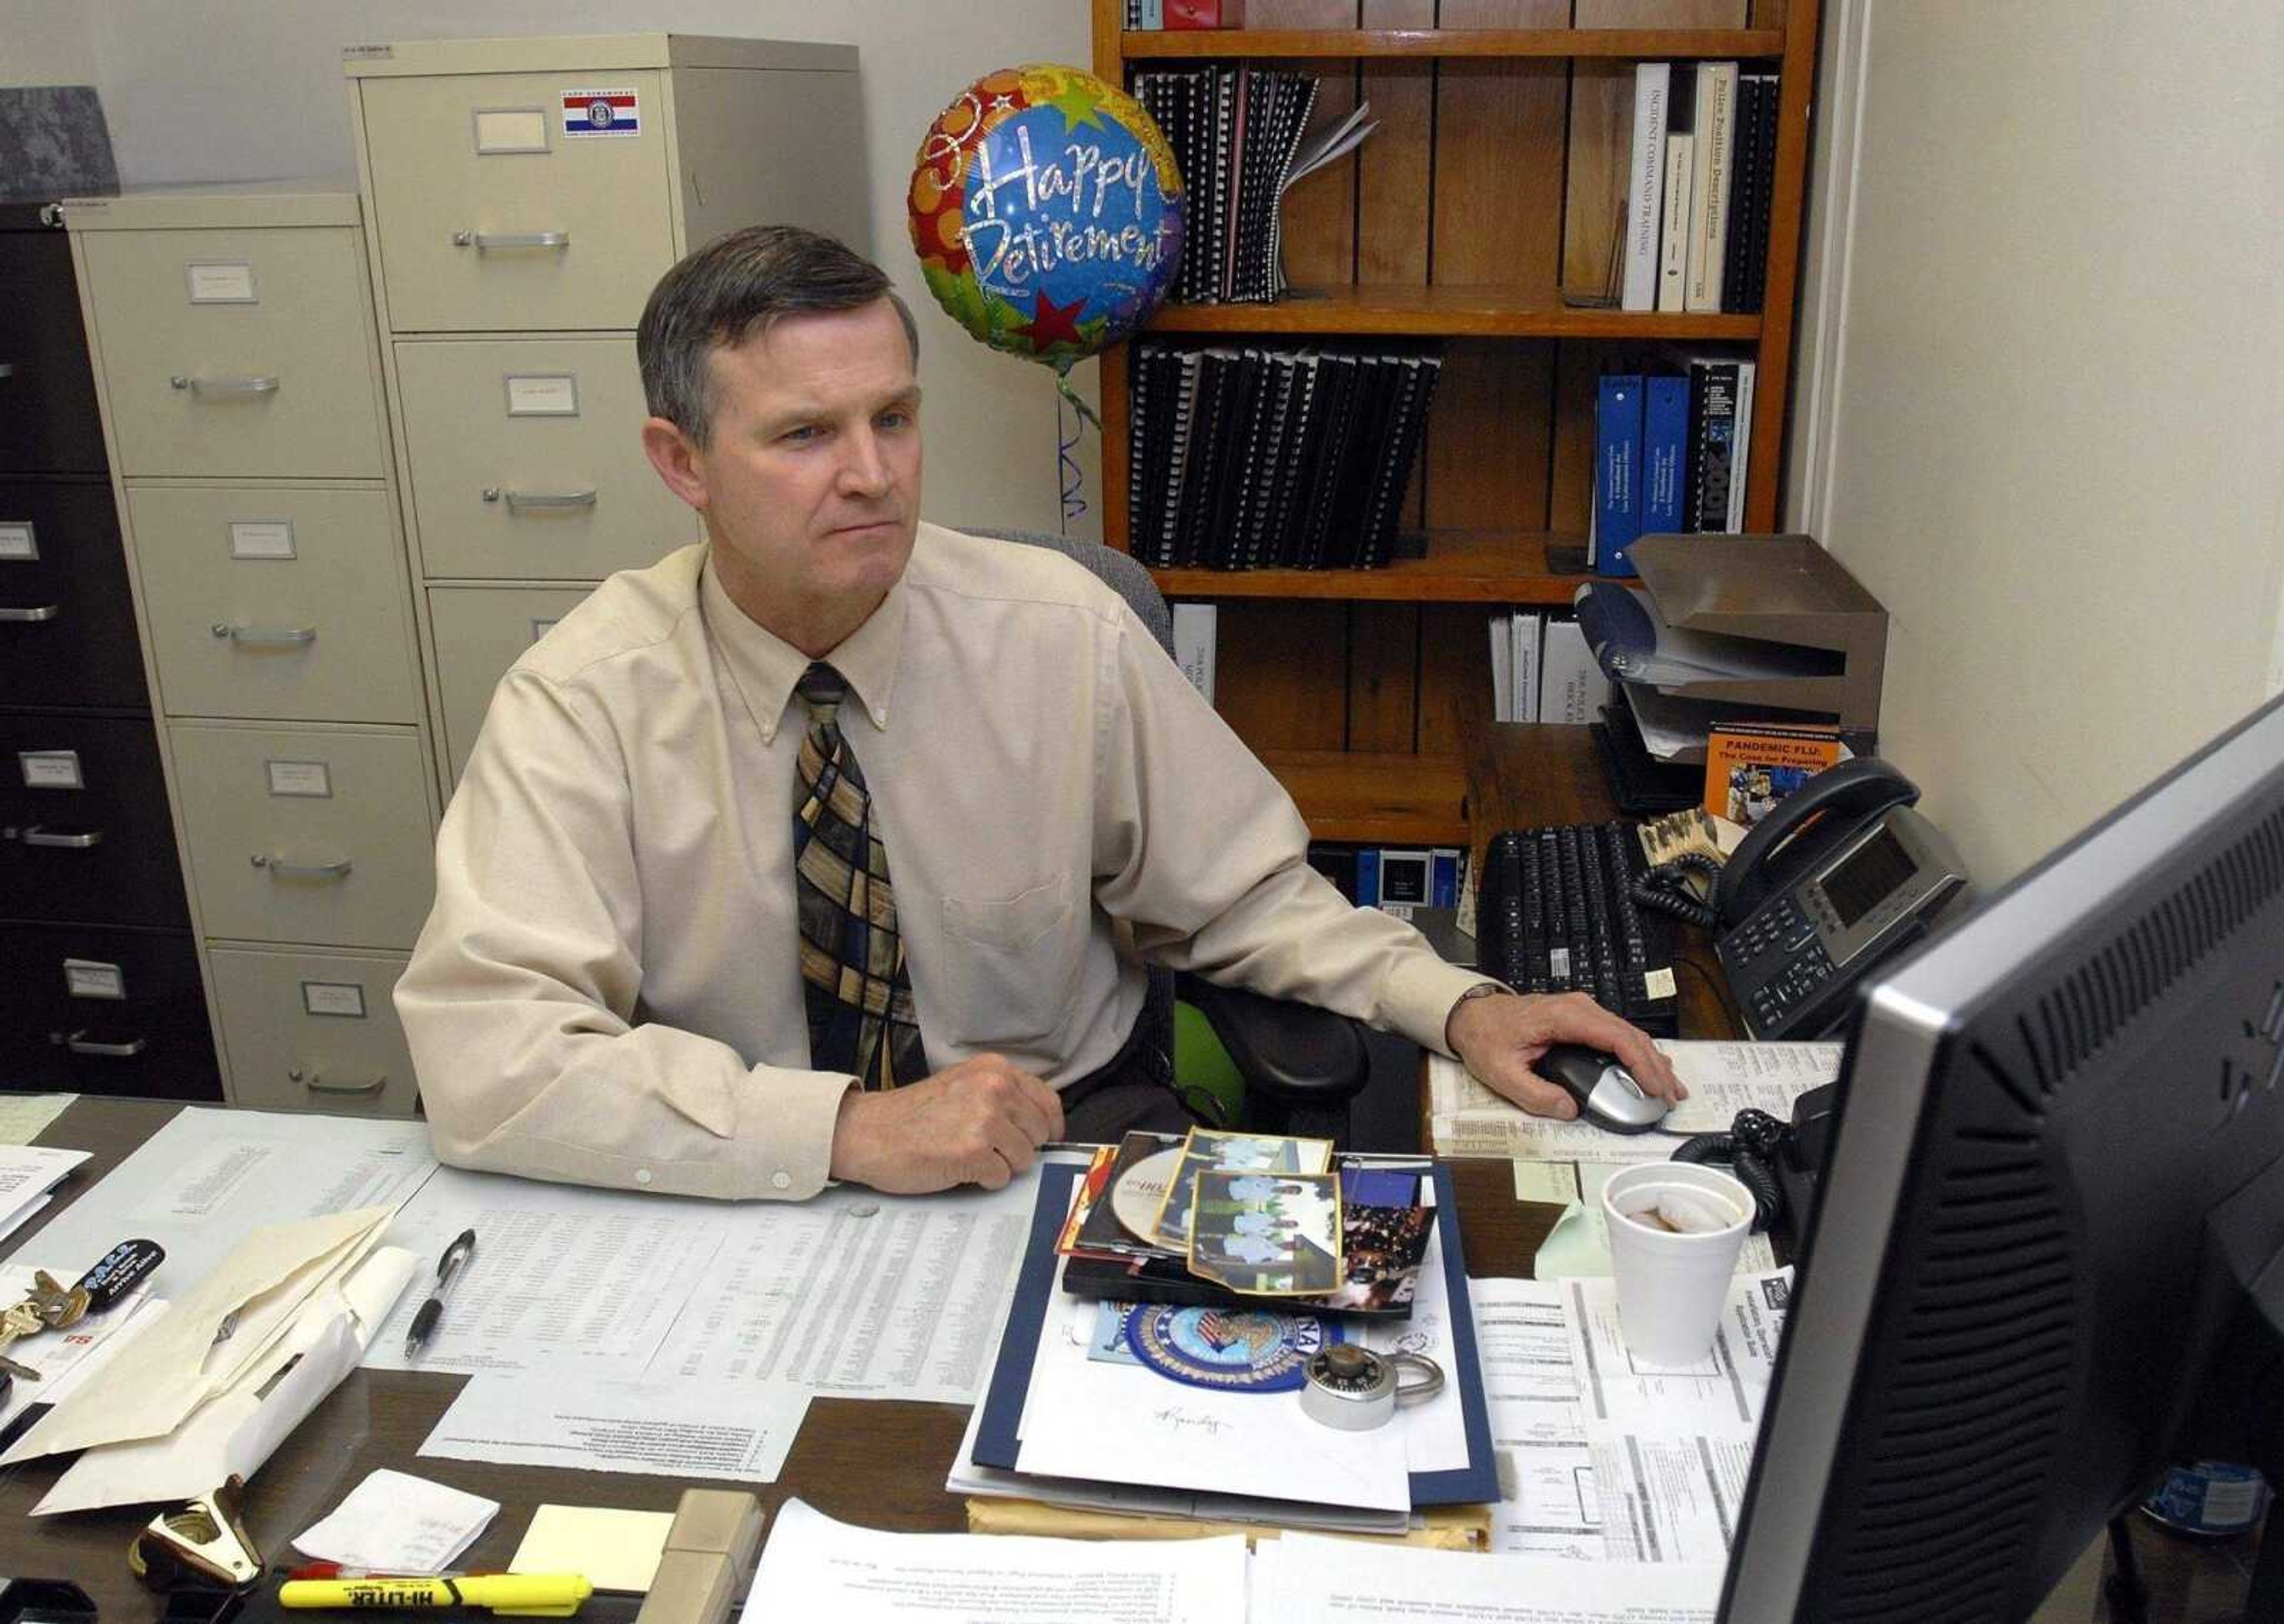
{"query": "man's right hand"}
{"type": "Point", "coordinates": [978, 1123]}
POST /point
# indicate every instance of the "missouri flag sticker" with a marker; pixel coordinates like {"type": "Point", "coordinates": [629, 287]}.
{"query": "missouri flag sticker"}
{"type": "Point", "coordinates": [601, 113]}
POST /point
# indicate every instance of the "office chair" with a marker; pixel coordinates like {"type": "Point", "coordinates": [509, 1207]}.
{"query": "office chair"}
{"type": "Point", "coordinates": [1263, 1063]}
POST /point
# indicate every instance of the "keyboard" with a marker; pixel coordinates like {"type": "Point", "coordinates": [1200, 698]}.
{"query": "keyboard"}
{"type": "Point", "coordinates": [1554, 915]}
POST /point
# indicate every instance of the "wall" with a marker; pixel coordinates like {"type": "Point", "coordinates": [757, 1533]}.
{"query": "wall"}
{"type": "Point", "coordinates": [238, 89]}
{"type": "Point", "coordinates": [44, 42]}
{"type": "Point", "coordinates": [2043, 389]}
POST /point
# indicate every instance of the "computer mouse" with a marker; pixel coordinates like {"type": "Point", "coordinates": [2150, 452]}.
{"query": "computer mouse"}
{"type": "Point", "coordinates": [1606, 1093]}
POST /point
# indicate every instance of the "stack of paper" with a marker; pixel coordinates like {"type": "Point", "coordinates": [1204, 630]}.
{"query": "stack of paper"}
{"type": "Point", "coordinates": [1060, 1424]}
{"type": "Point", "coordinates": [1723, 1079]}
{"type": "Point", "coordinates": [28, 1174]}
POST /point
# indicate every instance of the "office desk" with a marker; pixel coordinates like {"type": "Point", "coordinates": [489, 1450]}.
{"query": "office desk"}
{"type": "Point", "coordinates": [1526, 775]}
{"type": "Point", "coordinates": [877, 1462]}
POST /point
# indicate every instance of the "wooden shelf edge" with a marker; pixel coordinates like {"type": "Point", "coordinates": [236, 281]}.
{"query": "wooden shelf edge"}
{"type": "Point", "coordinates": [1447, 312]}
{"type": "Point", "coordinates": [1461, 567]}
{"type": "Point", "coordinates": [1701, 44]}
{"type": "Point", "coordinates": [1371, 798]}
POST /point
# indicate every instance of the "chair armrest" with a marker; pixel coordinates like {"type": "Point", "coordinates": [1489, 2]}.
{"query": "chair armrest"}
{"type": "Point", "coordinates": [1296, 1054]}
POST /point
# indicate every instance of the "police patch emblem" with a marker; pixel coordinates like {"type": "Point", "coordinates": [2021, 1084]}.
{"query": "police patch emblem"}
{"type": "Point", "coordinates": [1230, 1350]}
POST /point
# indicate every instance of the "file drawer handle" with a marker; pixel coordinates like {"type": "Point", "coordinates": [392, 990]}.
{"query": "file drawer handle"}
{"type": "Point", "coordinates": [265, 636]}
{"type": "Point", "coordinates": [484, 241]}
{"type": "Point", "coordinates": [37, 836]}
{"type": "Point", "coordinates": [540, 501]}
{"type": "Point", "coordinates": [314, 1081]}
{"type": "Point", "coordinates": [226, 388]}
{"type": "Point", "coordinates": [7, 369]}
{"type": "Point", "coordinates": [80, 1044]}
{"type": "Point", "coordinates": [280, 869]}
{"type": "Point", "coordinates": [32, 616]}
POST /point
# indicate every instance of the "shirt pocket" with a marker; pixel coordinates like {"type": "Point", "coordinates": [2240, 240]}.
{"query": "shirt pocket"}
{"type": "Point", "coordinates": [1016, 966]}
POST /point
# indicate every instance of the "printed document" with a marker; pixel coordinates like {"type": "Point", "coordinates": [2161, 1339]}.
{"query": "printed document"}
{"type": "Point", "coordinates": [1469, 1120]}
{"type": "Point", "coordinates": [24, 1117]}
{"type": "Point", "coordinates": [674, 1429]}
{"type": "Point", "coordinates": [1719, 1396]}
{"type": "Point", "coordinates": [1548, 1504]}
{"type": "Point", "coordinates": [211, 1178]}
{"type": "Point", "coordinates": [815, 1567]}
{"type": "Point", "coordinates": [1306, 1579]}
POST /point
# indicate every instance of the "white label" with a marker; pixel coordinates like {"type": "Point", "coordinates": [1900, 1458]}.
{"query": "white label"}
{"type": "Point", "coordinates": [311, 778]}
{"type": "Point", "coordinates": [1397, 910]}
{"type": "Point", "coordinates": [1659, 983]}
{"type": "Point", "coordinates": [50, 770]}
{"type": "Point", "coordinates": [261, 538]}
{"type": "Point", "coordinates": [87, 978]}
{"type": "Point", "coordinates": [540, 628]}
{"type": "Point", "coordinates": [17, 541]}
{"type": "Point", "coordinates": [334, 998]}
{"type": "Point", "coordinates": [543, 394]}
{"type": "Point", "coordinates": [231, 282]}
{"type": "Point", "coordinates": [511, 129]}
{"type": "Point", "coordinates": [368, 53]}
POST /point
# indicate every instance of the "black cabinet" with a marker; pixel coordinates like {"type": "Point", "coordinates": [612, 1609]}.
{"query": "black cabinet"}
{"type": "Point", "coordinates": [48, 417]}
{"type": "Point", "coordinates": [97, 1010]}
{"type": "Point", "coordinates": [66, 617]}
{"type": "Point", "coordinates": [99, 987]}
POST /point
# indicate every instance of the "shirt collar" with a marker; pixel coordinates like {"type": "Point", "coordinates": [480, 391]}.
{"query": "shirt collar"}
{"type": "Point", "coordinates": [766, 666]}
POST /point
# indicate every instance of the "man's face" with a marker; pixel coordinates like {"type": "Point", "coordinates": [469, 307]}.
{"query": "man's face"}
{"type": "Point", "coordinates": [810, 480]}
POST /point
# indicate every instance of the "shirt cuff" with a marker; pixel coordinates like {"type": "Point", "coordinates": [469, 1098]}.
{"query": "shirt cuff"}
{"type": "Point", "coordinates": [1419, 995]}
{"type": "Point", "coordinates": [794, 1159]}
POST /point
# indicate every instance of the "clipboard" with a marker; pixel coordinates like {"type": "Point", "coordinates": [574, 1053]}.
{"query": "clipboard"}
{"type": "Point", "coordinates": [997, 1443]}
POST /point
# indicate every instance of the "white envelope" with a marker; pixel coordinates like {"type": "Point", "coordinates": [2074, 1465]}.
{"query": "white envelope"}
{"type": "Point", "coordinates": [215, 1333]}
{"type": "Point", "coordinates": [235, 1430]}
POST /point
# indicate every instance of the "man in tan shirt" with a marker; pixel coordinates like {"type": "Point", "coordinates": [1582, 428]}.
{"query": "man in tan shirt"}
{"type": "Point", "coordinates": [611, 987]}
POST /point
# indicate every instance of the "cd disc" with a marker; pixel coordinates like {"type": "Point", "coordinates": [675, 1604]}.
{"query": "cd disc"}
{"type": "Point", "coordinates": [1140, 1190]}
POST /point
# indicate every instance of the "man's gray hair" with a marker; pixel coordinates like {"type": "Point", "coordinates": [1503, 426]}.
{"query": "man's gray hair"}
{"type": "Point", "coordinates": [733, 288]}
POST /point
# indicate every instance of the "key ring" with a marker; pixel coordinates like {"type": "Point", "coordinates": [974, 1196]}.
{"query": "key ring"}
{"type": "Point", "coordinates": [1355, 1389]}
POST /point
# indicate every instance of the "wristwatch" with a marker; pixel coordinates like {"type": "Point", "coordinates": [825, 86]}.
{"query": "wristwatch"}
{"type": "Point", "coordinates": [1481, 989]}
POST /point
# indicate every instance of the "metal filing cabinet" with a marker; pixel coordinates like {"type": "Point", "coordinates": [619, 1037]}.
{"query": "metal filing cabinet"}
{"type": "Point", "coordinates": [99, 987]}
{"type": "Point", "coordinates": [524, 197]}
{"type": "Point", "coordinates": [239, 364]}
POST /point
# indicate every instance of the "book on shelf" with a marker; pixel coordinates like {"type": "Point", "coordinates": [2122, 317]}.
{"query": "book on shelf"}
{"type": "Point", "coordinates": [1673, 232]}
{"type": "Point", "coordinates": [1203, 13]}
{"type": "Point", "coordinates": [1720, 437]}
{"type": "Point", "coordinates": [1502, 628]}
{"type": "Point", "coordinates": [1646, 186]}
{"type": "Point", "coordinates": [1273, 458]}
{"type": "Point", "coordinates": [1665, 453]}
{"type": "Point", "coordinates": [1241, 138]}
{"type": "Point", "coordinates": [1714, 156]}
{"type": "Point", "coordinates": [1194, 630]}
{"type": "Point", "coordinates": [1525, 631]}
{"type": "Point", "coordinates": [1617, 471]}
{"type": "Point", "coordinates": [1572, 687]}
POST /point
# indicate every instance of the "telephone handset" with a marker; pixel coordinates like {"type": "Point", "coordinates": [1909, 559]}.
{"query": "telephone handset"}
{"type": "Point", "coordinates": [1839, 876]}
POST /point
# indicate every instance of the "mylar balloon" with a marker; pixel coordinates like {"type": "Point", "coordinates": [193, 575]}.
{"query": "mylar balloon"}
{"type": "Point", "coordinates": [1047, 212]}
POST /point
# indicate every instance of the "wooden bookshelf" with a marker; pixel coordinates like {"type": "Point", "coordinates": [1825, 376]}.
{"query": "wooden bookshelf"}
{"type": "Point", "coordinates": [1491, 185]}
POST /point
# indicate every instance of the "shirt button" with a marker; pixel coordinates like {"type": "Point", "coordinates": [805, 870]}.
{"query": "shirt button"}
{"type": "Point", "coordinates": [781, 1179]}
{"type": "Point", "coordinates": [642, 1176]}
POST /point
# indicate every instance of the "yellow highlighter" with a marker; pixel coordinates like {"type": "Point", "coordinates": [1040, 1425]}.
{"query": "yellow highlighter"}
{"type": "Point", "coordinates": [534, 1596]}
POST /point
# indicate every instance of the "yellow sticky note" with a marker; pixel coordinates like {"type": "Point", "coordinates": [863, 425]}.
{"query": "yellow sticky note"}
{"type": "Point", "coordinates": [1556, 1182]}
{"type": "Point", "coordinates": [616, 1550]}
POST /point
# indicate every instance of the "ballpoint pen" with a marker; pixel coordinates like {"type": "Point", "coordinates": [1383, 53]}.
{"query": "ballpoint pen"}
{"type": "Point", "coordinates": [424, 1322]}
{"type": "Point", "coordinates": [549, 1595]}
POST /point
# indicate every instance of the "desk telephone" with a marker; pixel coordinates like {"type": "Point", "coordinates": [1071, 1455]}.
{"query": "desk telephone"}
{"type": "Point", "coordinates": [1840, 876]}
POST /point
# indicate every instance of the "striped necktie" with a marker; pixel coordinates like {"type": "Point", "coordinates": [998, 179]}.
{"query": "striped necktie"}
{"type": "Point", "coordinates": [859, 998]}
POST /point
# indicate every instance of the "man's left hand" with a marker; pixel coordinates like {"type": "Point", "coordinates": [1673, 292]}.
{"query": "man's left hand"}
{"type": "Point", "coordinates": [1501, 1038]}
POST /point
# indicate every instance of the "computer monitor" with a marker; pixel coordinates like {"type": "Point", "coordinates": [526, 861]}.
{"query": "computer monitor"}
{"type": "Point", "coordinates": [2047, 1257]}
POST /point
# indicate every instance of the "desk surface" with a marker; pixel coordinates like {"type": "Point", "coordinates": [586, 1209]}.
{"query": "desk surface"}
{"type": "Point", "coordinates": [879, 1463]}
{"type": "Point", "coordinates": [875, 1461]}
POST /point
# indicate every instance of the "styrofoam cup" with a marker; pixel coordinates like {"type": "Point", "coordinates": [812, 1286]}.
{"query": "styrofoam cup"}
{"type": "Point", "coordinates": [1672, 1287]}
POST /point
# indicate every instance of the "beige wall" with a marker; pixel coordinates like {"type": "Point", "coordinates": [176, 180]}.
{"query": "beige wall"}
{"type": "Point", "coordinates": [43, 43]}
{"type": "Point", "coordinates": [240, 89]}
{"type": "Point", "coordinates": [2042, 402]}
